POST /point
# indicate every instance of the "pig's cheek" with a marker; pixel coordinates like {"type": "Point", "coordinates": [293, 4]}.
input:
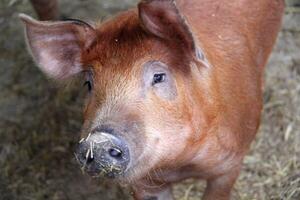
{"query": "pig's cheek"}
{"type": "Point", "coordinates": [160, 144]}
{"type": "Point", "coordinates": [152, 151]}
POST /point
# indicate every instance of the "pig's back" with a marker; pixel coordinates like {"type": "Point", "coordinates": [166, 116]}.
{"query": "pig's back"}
{"type": "Point", "coordinates": [237, 37]}
{"type": "Point", "coordinates": [238, 27]}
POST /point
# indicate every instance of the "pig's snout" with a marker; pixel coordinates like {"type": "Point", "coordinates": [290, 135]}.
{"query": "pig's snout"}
{"type": "Point", "coordinates": [103, 154]}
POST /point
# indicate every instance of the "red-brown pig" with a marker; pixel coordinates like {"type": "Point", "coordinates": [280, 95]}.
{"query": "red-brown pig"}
{"type": "Point", "coordinates": [175, 88]}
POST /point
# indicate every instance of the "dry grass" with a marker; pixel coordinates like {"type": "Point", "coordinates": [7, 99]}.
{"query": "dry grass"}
{"type": "Point", "coordinates": [39, 123]}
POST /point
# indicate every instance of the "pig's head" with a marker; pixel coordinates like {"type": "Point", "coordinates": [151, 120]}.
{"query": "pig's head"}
{"type": "Point", "coordinates": [141, 69]}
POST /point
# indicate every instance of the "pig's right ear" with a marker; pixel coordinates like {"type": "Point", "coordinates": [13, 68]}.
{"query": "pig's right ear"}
{"type": "Point", "coordinates": [57, 46]}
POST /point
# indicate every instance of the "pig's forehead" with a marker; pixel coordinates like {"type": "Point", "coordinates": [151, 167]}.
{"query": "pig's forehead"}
{"type": "Point", "coordinates": [126, 57]}
{"type": "Point", "coordinates": [121, 41]}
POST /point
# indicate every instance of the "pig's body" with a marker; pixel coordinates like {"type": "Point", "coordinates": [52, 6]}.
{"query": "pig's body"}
{"type": "Point", "coordinates": [197, 122]}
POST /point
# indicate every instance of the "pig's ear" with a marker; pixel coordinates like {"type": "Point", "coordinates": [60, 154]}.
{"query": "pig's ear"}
{"type": "Point", "coordinates": [57, 46]}
{"type": "Point", "coordinates": [162, 18]}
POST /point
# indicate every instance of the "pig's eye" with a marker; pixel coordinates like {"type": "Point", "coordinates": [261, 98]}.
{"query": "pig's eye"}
{"type": "Point", "coordinates": [158, 78]}
{"type": "Point", "coordinates": [89, 85]}
{"type": "Point", "coordinates": [89, 80]}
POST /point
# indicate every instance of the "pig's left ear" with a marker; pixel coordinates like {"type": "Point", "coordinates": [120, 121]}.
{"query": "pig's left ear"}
{"type": "Point", "coordinates": [57, 46]}
{"type": "Point", "coordinates": [162, 18]}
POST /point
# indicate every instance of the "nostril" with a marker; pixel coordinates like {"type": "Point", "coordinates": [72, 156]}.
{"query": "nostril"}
{"type": "Point", "coordinates": [88, 159]}
{"type": "Point", "coordinates": [115, 153]}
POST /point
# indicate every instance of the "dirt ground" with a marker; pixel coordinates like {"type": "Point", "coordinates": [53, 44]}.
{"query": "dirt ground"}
{"type": "Point", "coordinates": [39, 123]}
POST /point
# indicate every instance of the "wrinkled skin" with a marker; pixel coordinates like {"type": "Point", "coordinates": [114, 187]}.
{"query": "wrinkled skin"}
{"type": "Point", "coordinates": [178, 85]}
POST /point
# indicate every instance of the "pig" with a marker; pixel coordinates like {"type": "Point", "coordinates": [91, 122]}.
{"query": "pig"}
{"type": "Point", "coordinates": [174, 88]}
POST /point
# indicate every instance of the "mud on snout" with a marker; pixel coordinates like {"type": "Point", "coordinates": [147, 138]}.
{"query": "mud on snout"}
{"type": "Point", "coordinates": [103, 154]}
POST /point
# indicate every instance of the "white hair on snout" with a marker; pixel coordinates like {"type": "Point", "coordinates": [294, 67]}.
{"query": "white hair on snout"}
{"type": "Point", "coordinates": [91, 139]}
{"type": "Point", "coordinates": [87, 138]}
{"type": "Point", "coordinates": [91, 147]}
{"type": "Point", "coordinates": [87, 154]}
{"type": "Point", "coordinates": [81, 140]}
